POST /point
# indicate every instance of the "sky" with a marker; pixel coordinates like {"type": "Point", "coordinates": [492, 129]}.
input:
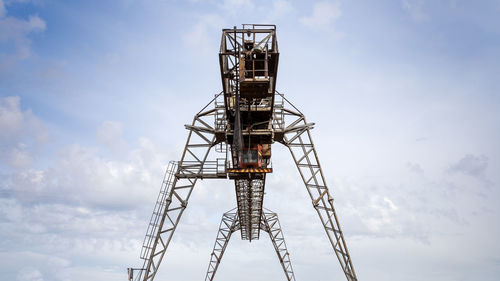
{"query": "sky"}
{"type": "Point", "coordinates": [94, 96]}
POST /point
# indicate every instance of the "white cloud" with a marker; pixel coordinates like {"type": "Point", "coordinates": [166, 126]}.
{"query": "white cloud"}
{"type": "Point", "coordinates": [22, 133]}
{"type": "Point", "coordinates": [81, 177]}
{"type": "Point", "coordinates": [383, 212]}
{"type": "Point", "coordinates": [11, 117]}
{"type": "Point", "coordinates": [20, 157]}
{"type": "Point", "coordinates": [17, 29]}
{"type": "Point", "coordinates": [109, 134]}
{"type": "Point", "coordinates": [415, 168]}
{"type": "Point", "coordinates": [82, 205]}
{"type": "Point", "coordinates": [323, 14]}
{"type": "Point", "coordinates": [14, 33]}
{"type": "Point", "coordinates": [29, 274]}
{"type": "Point", "coordinates": [472, 165]}
{"type": "Point", "coordinates": [415, 8]}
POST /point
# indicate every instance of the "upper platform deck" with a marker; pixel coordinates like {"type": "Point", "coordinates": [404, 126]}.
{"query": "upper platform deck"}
{"type": "Point", "coordinates": [248, 63]}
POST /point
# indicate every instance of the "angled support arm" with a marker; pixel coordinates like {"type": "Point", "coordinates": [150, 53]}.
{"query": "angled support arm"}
{"type": "Point", "coordinates": [272, 225]}
{"type": "Point", "coordinates": [297, 137]}
{"type": "Point", "coordinates": [175, 192]}
{"type": "Point", "coordinates": [228, 225]}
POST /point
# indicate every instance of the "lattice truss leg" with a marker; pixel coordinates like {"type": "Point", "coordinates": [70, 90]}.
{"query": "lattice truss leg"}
{"type": "Point", "coordinates": [272, 225]}
{"type": "Point", "coordinates": [230, 224]}
{"type": "Point", "coordinates": [297, 137]}
{"type": "Point", "coordinates": [175, 191]}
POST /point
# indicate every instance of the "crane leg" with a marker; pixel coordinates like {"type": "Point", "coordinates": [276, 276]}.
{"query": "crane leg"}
{"type": "Point", "coordinates": [271, 225]}
{"type": "Point", "coordinates": [297, 137]}
{"type": "Point", "coordinates": [228, 225]}
{"type": "Point", "coordinates": [176, 190]}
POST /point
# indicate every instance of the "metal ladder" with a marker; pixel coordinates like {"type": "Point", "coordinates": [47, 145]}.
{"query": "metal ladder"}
{"type": "Point", "coordinates": [158, 211]}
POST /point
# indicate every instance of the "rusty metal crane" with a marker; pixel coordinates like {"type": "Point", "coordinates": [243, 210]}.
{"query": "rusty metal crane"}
{"type": "Point", "coordinates": [231, 138]}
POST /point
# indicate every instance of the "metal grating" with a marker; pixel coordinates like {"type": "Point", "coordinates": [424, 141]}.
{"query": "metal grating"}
{"type": "Point", "coordinates": [249, 195]}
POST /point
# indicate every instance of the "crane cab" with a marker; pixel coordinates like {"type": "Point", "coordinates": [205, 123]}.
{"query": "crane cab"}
{"type": "Point", "coordinates": [252, 157]}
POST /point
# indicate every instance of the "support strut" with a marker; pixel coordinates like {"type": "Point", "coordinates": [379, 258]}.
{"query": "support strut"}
{"type": "Point", "coordinates": [177, 187]}
{"type": "Point", "coordinates": [270, 224]}
{"type": "Point", "coordinates": [297, 137]}
{"type": "Point", "coordinates": [228, 225]}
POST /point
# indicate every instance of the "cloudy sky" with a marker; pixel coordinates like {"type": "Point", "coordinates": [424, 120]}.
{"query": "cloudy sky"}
{"type": "Point", "coordinates": [404, 94]}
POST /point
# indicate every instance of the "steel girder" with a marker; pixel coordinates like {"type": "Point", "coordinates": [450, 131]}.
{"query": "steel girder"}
{"type": "Point", "coordinates": [230, 224]}
{"type": "Point", "coordinates": [176, 190]}
{"type": "Point", "coordinates": [297, 137]}
{"type": "Point", "coordinates": [272, 226]}
{"type": "Point", "coordinates": [249, 196]}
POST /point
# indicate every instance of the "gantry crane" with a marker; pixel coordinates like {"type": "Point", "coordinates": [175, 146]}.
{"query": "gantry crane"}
{"type": "Point", "coordinates": [231, 138]}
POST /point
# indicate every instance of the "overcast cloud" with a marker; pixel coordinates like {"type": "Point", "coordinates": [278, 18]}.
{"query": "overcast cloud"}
{"type": "Point", "coordinates": [404, 94]}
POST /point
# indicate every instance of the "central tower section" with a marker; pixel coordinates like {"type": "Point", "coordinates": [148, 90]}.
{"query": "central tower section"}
{"type": "Point", "coordinates": [249, 65]}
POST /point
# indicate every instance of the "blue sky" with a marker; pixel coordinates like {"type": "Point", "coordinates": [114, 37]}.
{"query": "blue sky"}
{"type": "Point", "coordinates": [405, 95]}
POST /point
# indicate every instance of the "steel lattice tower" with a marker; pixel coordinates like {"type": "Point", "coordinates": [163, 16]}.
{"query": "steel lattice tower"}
{"type": "Point", "coordinates": [231, 138]}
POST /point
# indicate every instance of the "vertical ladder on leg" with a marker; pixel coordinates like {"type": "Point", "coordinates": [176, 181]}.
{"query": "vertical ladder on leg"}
{"type": "Point", "coordinates": [175, 192]}
{"type": "Point", "coordinates": [158, 210]}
